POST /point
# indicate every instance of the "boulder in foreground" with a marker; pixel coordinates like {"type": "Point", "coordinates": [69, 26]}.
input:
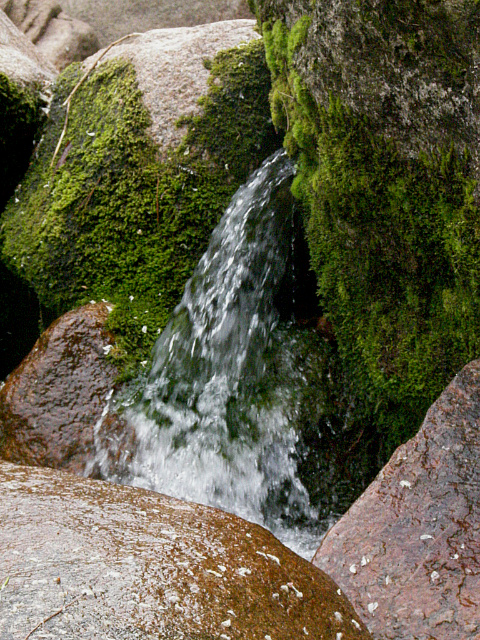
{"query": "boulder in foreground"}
{"type": "Point", "coordinates": [125, 563]}
{"type": "Point", "coordinates": [50, 404]}
{"type": "Point", "coordinates": [407, 553]}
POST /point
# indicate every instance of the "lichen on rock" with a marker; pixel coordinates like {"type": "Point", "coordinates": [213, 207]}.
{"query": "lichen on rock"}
{"type": "Point", "coordinates": [378, 104]}
{"type": "Point", "coordinates": [119, 218]}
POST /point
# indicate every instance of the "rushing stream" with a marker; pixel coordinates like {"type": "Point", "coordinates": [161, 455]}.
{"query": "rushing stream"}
{"type": "Point", "coordinates": [216, 422]}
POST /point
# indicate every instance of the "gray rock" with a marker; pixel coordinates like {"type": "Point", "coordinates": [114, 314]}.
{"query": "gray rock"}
{"type": "Point", "coordinates": [20, 60]}
{"type": "Point", "coordinates": [112, 19]}
{"type": "Point", "coordinates": [60, 38]}
{"type": "Point", "coordinates": [170, 69]}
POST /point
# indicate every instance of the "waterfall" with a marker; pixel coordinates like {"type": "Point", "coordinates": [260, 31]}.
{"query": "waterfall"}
{"type": "Point", "coordinates": [215, 423]}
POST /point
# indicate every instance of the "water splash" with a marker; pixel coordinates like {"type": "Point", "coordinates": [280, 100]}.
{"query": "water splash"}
{"type": "Point", "coordinates": [216, 420]}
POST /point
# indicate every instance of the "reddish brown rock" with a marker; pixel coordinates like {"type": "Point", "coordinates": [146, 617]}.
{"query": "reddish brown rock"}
{"type": "Point", "coordinates": [407, 553]}
{"type": "Point", "coordinates": [121, 563]}
{"type": "Point", "coordinates": [50, 404]}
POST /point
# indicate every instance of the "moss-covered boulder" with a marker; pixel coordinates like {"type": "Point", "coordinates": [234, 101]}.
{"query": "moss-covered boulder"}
{"type": "Point", "coordinates": [379, 101]}
{"type": "Point", "coordinates": [124, 209]}
{"type": "Point", "coordinates": [25, 77]}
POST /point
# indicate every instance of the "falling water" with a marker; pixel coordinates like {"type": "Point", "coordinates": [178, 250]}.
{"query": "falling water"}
{"type": "Point", "coordinates": [215, 423]}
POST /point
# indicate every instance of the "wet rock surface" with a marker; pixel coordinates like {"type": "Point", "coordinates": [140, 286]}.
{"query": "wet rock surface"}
{"type": "Point", "coordinates": [60, 38]}
{"type": "Point", "coordinates": [407, 553]}
{"type": "Point", "coordinates": [98, 560]}
{"type": "Point", "coordinates": [112, 19]}
{"type": "Point", "coordinates": [50, 404]}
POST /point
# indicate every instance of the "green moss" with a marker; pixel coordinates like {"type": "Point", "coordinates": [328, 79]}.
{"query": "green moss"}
{"type": "Point", "coordinates": [20, 116]}
{"type": "Point", "coordinates": [394, 246]}
{"type": "Point", "coordinates": [110, 220]}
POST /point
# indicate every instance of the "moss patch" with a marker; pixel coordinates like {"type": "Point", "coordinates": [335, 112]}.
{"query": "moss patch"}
{"type": "Point", "coordinates": [110, 220]}
{"type": "Point", "coordinates": [20, 116]}
{"type": "Point", "coordinates": [394, 243]}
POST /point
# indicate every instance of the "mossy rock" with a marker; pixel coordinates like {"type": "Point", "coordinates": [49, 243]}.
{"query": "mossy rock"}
{"type": "Point", "coordinates": [109, 218]}
{"type": "Point", "coordinates": [391, 207]}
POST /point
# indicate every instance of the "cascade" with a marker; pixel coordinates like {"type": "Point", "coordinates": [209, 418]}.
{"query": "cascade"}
{"type": "Point", "coordinates": [216, 420]}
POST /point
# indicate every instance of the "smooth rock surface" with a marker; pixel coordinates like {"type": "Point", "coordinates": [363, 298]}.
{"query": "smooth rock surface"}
{"type": "Point", "coordinates": [170, 69]}
{"type": "Point", "coordinates": [407, 553]}
{"type": "Point", "coordinates": [50, 404]}
{"type": "Point", "coordinates": [112, 19]}
{"type": "Point", "coordinates": [60, 38]}
{"type": "Point", "coordinates": [19, 59]}
{"type": "Point", "coordinates": [97, 560]}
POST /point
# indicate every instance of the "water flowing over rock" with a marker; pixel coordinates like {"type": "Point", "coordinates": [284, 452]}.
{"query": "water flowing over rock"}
{"type": "Point", "coordinates": [50, 404]}
{"type": "Point", "coordinates": [217, 420]}
{"type": "Point", "coordinates": [95, 560]}
{"type": "Point", "coordinates": [112, 19]}
{"type": "Point", "coordinates": [407, 553]}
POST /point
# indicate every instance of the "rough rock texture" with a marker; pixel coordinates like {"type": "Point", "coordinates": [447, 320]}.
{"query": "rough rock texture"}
{"type": "Point", "coordinates": [125, 563]}
{"type": "Point", "coordinates": [407, 553]}
{"type": "Point", "coordinates": [59, 37]}
{"type": "Point", "coordinates": [410, 66]}
{"type": "Point", "coordinates": [50, 404]}
{"type": "Point", "coordinates": [170, 69]}
{"type": "Point", "coordinates": [112, 19]}
{"type": "Point", "coordinates": [19, 59]}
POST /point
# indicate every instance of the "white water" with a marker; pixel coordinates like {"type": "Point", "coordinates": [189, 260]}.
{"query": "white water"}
{"type": "Point", "coordinates": [215, 424]}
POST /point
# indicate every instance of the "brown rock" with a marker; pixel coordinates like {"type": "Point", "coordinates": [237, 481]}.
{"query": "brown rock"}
{"type": "Point", "coordinates": [122, 563]}
{"type": "Point", "coordinates": [407, 553]}
{"type": "Point", "coordinates": [50, 404]}
{"type": "Point", "coordinates": [112, 19]}
{"type": "Point", "coordinates": [60, 38]}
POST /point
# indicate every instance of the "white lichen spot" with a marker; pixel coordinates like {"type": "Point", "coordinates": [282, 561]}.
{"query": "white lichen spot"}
{"type": "Point", "coordinates": [285, 588]}
{"type": "Point", "coordinates": [215, 573]}
{"type": "Point", "coordinates": [338, 616]}
{"type": "Point", "coordinates": [274, 558]}
{"type": "Point", "coordinates": [139, 232]}
{"type": "Point", "coordinates": [372, 607]}
{"type": "Point", "coordinates": [406, 484]}
{"type": "Point", "coordinates": [107, 348]}
{"type": "Point", "coordinates": [305, 631]}
{"type": "Point", "coordinates": [268, 637]}
{"type": "Point", "coordinates": [260, 553]}
{"type": "Point", "coordinates": [364, 561]}
{"type": "Point", "coordinates": [226, 623]}
{"type": "Point", "coordinates": [356, 624]}
{"type": "Point", "coordinates": [275, 596]}
{"type": "Point", "coordinates": [249, 535]}
{"type": "Point", "coordinates": [339, 591]}
{"type": "Point", "coordinates": [222, 568]}
{"type": "Point", "coordinates": [426, 536]}
{"type": "Point", "coordinates": [224, 636]}
{"type": "Point", "coordinates": [455, 556]}
{"type": "Point", "coordinates": [243, 571]}
{"type": "Point", "coordinates": [298, 593]}
{"type": "Point", "coordinates": [91, 134]}
{"type": "Point", "coordinates": [232, 613]}
{"type": "Point", "coordinates": [131, 298]}
{"type": "Point", "coordinates": [93, 302]}
{"type": "Point", "coordinates": [339, 636]}
{"type": "Point", "coordinates": [434, 576]}
{"type": "Point", "coordinates": [387, 580]}
{"type": "Point", "coordinates": [353, 569]}
{"type": "Point", "coordinates": [144, 328]}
